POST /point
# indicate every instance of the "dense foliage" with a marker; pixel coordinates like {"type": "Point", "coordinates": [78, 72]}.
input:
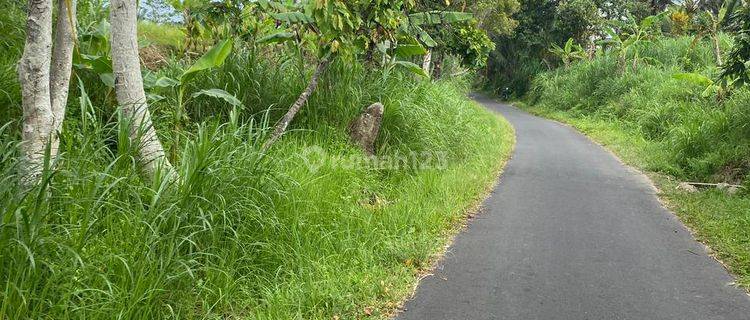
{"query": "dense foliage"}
{"type": "Point", "coordinates": [542, 24]}
{"type": "Point", "coordinates": [707, 141]}
{"type": "Point", "coordinates": [662, 74]}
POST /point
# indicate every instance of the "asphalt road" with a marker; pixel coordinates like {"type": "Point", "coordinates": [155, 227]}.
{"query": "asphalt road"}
{"type": "Point", "coordinates": [571, 233]}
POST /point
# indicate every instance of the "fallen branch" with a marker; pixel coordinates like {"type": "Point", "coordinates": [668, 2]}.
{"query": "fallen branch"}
{"type": "Point", "coordinates": [301, 101]}
{"type": "Point", "coordinates": [692, 187]}
{"type": "Point", "coordinates": [717, 185]}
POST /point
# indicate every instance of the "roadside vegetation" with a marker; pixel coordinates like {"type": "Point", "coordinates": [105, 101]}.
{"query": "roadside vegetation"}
{"type": "Point", "coordinates": [200, 201]}
{"type": "Point", "coordinates": [665, 89]}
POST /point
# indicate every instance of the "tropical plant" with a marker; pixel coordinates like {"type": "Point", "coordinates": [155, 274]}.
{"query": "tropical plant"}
{"type": "Point", "coordinates": [93, 52]}
{"type": "Point", "coordinates": [632, 34]}
{"type": "Point", "coordinates": [735, 70]}
{"type": "Point", "coordinates": [441, 32]}
{"type": "Point", "coordinates": [710, 23]}
{"type": "Point", "coordinates": [710, 86]}
{"type": "Point", "coordinates": [192, 20]}
{"type": "Point", "coordinates": [494, 16]}
{"type": "Point", "coordinates": [213, 58]}
{"type": "Point", "coordinates": [568, 53]}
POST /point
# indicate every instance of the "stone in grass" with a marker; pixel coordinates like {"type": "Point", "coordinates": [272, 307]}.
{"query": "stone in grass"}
{"type": "Point", "coordinates": [365, 128]}
{"type": "Point", "coordinates": [728, 188]}
{"type": "Point", "coordinates": [689, 188]}
{"type": "Point", "coordinates": [732, 190]}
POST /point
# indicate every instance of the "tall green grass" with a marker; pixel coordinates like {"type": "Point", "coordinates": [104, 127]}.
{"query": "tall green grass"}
{"type": "Point", "coordinates": [11, 45]}
{"type": "Point", "coordinates": [163, 35]}
{"type": "Point", "coordinates": [306, 231]}
{"type": "Point", "coordinates": [705, 140]}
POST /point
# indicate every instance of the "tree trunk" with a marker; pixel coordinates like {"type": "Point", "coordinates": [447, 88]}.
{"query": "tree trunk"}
{"type": "Point", "coordinates": [301, 101]}
{"type": "Point", "coordinates": [717, 48]}
{"type": "Point", "coordinates": [427, 62]}
{"type": "Point", "coordinates": [34, 78]}
{"type": "Point", "coordinates": [129, 88]}
{"type": "Point", "coordinates": [62, 66]}
{"type": "Point", "coordinates": [591, 46]}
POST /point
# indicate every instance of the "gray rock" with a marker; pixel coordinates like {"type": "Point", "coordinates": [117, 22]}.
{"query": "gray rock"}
{"type": "Point", "coordinates": [722, 186]}
{"type": "Point", "coordinates": [732, 190]}
{"type": "Point", "coordinates": [365, 128]}
{"type": "Point", "coordinates": [684, 186]}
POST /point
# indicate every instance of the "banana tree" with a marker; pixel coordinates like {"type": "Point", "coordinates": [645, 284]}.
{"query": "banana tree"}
{"type": "Point", "coordinates": [632, 35]}
{"type": "Point", "coordinates": [214, 58]}
{"type": "Point", "coordinates": [710, 87]}
{"type": "Point", "coordinates": [569, 52]}
{"type": "Point", "coordinates": [710, 24]}
{"type": "Point", "coordinates": [191, 19]}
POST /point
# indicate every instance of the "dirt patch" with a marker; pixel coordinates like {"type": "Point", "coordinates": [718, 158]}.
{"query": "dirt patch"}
{"type": "Point", "coordinates": [153, 57]}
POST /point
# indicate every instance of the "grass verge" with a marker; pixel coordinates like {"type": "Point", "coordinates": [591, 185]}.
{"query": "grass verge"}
{"type": "Point", "coordinates": [718, 220]}
{"type": "Point", "coordinates": [311, 230]}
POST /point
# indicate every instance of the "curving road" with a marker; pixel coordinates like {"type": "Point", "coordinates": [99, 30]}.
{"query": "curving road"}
{"type": "Point", "coordinates": [571, 233]}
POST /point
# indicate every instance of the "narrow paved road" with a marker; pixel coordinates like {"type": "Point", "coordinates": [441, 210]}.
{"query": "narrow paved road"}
{"type": "Point", "coordinates": [571, 233]}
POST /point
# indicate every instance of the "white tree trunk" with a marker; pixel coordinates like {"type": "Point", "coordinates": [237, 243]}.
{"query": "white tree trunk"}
{"type": "Point", "coordinates": [62, 66]}
{"type": "Point", "coordinates": [34, 77]}
{"type": "Point", "coordinates": [129, 87]}
{"type": "Point", "coordinates": [426, 63]}
{"type": "Point", "coordinates": [717, 49]}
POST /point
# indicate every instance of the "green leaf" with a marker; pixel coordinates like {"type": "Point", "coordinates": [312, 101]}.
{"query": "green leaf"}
{"type": "Point", "coordinates": [709, 91]}
{"type": "Point", "coordinates": [102, 29]}
{"type": "Point", "coordinates": [426, 38]}
{"type": "Point", "coordinates": [98, 64]}
{"type": "Point", "coordinates": [409, 50]}
{"type": "Point", "coordinates": [152, 97]}
{"type": "Point", "coordinates": [219, 94]}
{"type": "Point", "coordinates": [413, 68]}
{"type": "Point", "coordinates": [568, 45]}
{"type": "Point", "coordinates": [212, 59]}
{"type": "Point", "coordinates": [421, 18]}
{"type": "Point", "coordinates": [293, 17]}
{"type": "Point", "coordinates": [611, 32]}
{"type": "Point", "coordinates": [166, 82]}
{"type": "Point", "coordinates": [629, 41]}
{"type": "Point", "coordinates": [108, 79]}
{"type": "Point", "coordinates": [647, 22]}
{"type": "Point", "coordinates": [277, 37]}
{"type": "Point", "coordinates": [384, 46]}
{"type": "Point", "coordinates": [150, 81]}
{"type": "Point", "coordinates": [455, 16]}
{"type": "Point", "coordinates": [438, 17]}
{"type": "Point", "coordinates": [267, 5]}
{"type": "Point", "coordinates": [695, 78]}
